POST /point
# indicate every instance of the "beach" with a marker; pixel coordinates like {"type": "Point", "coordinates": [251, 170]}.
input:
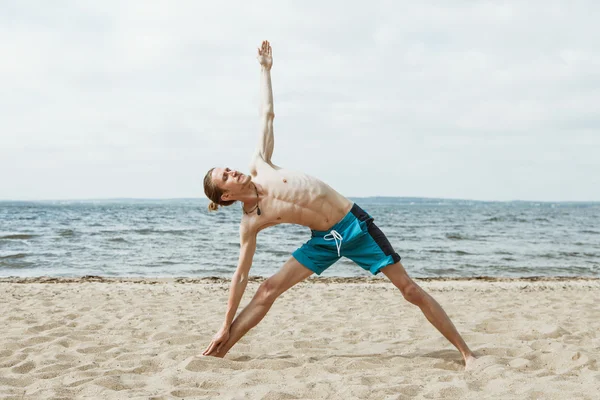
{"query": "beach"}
{"type": "Point", "coordinates": [326, 338]}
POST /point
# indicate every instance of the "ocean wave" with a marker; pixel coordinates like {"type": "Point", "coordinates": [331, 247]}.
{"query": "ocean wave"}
{"type": "Point", "coordinates": [176, 232]}
{"type": "Point", "coordinates": [570, 254]}
{"type": "Point", "coordinates": [442, 271]}
{"type": "Point", "coordinates": [145, 231]}
{"type": "Point", "coordinates": [590, 231]}
{"type": "Point", "coordinates": [16, 265]}
{"type": "Point", "coordinates": [278, 252]}
{"type": "Point", "coordinates": [13, 256]}
{"type": "Point", "coordinates": [560, 254]}
{"type": "Point", "coordinates": [150, 231]}
{"type": "Point", "coordinates": [512, 219]}
{"type": "Point", "coordinates": [66, 233]}
{"type": "Point", "coordinates": [462, 253]}
{"type": "Point", "coordinates": [494, 219]}
{"type": "Point", "coordinates": [456, 252]}
{"type": "Point", "coordinates": [211, 272]}
{"type": "Point", "coordinates": [118, 240]}
{"type": "Point", "coordinates": [456, 236]}
{"type": "Point", "coordinates": [18, 236]}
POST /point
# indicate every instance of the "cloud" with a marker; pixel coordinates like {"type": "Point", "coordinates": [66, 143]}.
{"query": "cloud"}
{"type": "Point", "coordinates": [479, 100]}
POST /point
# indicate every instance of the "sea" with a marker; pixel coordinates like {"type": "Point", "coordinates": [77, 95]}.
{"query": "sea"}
{"type": "Point", "coordinates": [180, 238]}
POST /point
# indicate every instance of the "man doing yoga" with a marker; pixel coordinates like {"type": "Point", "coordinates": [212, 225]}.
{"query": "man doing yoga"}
{"type": "Point", "coordinates": [271, 195]}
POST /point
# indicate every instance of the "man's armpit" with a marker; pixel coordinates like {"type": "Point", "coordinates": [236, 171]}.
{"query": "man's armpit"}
{"type": "Point", "coordinates": [258, 163]}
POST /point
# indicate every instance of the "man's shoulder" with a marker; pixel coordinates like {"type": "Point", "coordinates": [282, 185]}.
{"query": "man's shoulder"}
{"type": "Point", "coordinates": [258, 165]}
{"type": "Point", "coordinates": [250, 226]}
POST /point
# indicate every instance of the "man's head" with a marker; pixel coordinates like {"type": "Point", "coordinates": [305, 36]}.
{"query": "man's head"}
{"type": "Point", "coordinates": [223, 186]}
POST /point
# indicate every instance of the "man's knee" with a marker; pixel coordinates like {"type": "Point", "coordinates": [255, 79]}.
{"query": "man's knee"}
{"type": "Point", "coordinates": [412, 293]}
{"type": "Point", "coordinates": [267, 292]}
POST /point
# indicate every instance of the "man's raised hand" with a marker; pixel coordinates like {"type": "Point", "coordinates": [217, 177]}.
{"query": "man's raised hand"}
{"type": "Point", "coordinates": [265, 57]}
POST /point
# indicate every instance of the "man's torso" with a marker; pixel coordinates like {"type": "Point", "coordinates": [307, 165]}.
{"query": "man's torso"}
{"type": "Point", "coordinates": [294, 197]}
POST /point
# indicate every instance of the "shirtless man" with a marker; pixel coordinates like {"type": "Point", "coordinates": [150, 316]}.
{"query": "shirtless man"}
{"type": "Point", "coordinates": [271, 195]}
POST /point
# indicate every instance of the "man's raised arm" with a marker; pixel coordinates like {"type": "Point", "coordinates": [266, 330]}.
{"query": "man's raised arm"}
{"type": "Point", "coordinates": [266, 141]}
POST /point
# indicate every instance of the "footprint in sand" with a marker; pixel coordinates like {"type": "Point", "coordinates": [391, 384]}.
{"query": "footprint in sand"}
{"type": "Point", "coordinates": [272, 365]}
{"type": "Point", "coordinates": [6, 353]}
{"type": "Point", "coordinates": [544, 332]}
{"type": "Point", "coordinates": [193, 393]}
{"type": "Point", "coordinates": [16, 382]}
{"type": "Point", "coordinates": [79, 382]}
{"type": "Point", "coordinates": [23, 368]}
{"type": "Point", "coordinates": [203, 363]}
{"type": "Point", "coordinates": [12, 362]}
{"type": "Point", "coordinates": [276, 395]}
{"type": "Point", "coordinates": [37, 340]}
{"type": "Point", "coordinates": [486, 366]}
{"type": "Point", "coordinates": [520, 363]}
{"type": "Point", "coordinates": [45, 327]}
{"type": "Point", "coordinates": [95, 349]}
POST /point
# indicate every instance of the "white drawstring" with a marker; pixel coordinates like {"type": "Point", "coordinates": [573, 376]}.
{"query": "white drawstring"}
{"type": "Point", "coordinates": [334, 235]}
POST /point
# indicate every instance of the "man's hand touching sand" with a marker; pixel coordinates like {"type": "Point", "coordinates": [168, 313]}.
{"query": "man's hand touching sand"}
{"type": "Point", "coordinates": [218, 340]}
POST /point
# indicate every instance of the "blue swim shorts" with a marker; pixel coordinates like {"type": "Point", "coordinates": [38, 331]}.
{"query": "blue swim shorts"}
{"type": "Point", "coordinates": [356, 237]}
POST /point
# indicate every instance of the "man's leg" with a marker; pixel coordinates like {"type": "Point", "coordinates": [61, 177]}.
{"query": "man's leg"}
{"type": "Point", "coordinates": [432, 310]}
{"type": "Point", "coordinates": [291, 273]}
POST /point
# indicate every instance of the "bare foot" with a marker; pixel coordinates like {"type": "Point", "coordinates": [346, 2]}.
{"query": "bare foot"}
{"type": "Point", "coordinates": [470, 362]}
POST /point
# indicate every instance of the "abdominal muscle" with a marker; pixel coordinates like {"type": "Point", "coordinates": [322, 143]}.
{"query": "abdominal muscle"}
{"type": "Point", "coordinates": [296, 198]}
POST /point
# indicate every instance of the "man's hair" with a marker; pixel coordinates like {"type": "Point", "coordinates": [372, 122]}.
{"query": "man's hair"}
{"type": "Point", "coordinates": [214, 193]}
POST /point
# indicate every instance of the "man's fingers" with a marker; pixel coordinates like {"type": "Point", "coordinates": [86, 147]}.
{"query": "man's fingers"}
{"type": "Point", "coordinates": [265, 49]}
{"type": "Point", "coordinates": [209, 348]}
{"type": "Point", "coordinates": [214, 350]}
{"type": "Point", "coordinates": [206, 349]}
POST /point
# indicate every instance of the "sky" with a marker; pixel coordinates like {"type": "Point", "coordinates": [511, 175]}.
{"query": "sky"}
{"type": "Point", "coordinates": [482, 100]}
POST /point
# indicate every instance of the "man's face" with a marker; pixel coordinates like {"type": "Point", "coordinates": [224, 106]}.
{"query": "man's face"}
{"type": "Point", "coordinates": [230, 181]}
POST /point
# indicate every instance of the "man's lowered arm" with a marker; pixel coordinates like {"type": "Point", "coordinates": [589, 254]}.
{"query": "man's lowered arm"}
{"type": "Point", "coordinates": [239, 280]}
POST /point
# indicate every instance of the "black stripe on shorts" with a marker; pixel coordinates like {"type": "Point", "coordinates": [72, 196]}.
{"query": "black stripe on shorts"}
{"type": "Point", "coordinates": [376, 233]}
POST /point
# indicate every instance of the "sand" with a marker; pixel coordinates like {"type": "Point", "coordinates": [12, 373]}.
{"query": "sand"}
{"type": "Point", "coordinates": [323, 339]}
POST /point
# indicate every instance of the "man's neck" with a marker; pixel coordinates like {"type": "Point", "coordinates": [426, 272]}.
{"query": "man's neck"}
{"type": "Point", "coordinates": [251, 198]}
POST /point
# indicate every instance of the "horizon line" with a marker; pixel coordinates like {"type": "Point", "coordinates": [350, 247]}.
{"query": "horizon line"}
{"type": "Point", "coordinates": [349, 197]}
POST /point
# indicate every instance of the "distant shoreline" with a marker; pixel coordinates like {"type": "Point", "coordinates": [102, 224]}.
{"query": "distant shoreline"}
{"type": "Point", "coordinates": [371, 199]}
{"type": "Point", "coordinates": [326, 280]}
